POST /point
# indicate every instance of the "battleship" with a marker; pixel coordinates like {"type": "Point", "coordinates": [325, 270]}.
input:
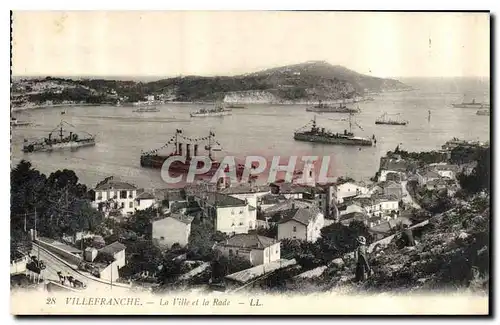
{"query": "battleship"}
{"type": "Point", "coordinates": [65, 140]}
{"type": "Point", "coordinates": [15, 122]}
{"type": "Point", "coordinates": [320, 135]}
{"type": "Point", "coordinates": [219, 110]}
{"type": "Point", "coordinates": [387, 120]}
{"type": "Point", "coordinates": [324, 108]}
{"type": "Point", "coordinates": [235, 106]}
{"type": "Point", "coordinates": [472, 104]}
{"type": "Point", "coordinates": [154, 160]}
{"type": "Point", "coordinates": [146, 110]}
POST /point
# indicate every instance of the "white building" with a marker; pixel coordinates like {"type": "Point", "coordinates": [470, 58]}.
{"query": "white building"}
{"type": "Point", "coordinates": [302, 223]}
{"type": "Point", "coordinates": [117, 251]}
{"type": "Point", "coordinates": [231, 215]}
{"type": "Point", "coordinates": [254, 248]}
{"type": "Point", "coordinates": [350, 189]}
{"type": "Point", "coordinates": [144, 201]}
{"type": "Point", "coordinates": [173, 229]}
{"type": "Point", "coordinates": [249, 193]}
{"type": "Point", "coordinates": [425, 176]}
{"type": "Point", "coordinates": [445, 170]}
{"type": "Point", "coordinates": [112, 194]}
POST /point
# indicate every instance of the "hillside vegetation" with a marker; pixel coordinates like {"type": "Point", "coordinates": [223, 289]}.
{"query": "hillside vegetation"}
{"type": "Point", "coordinates": [310, 81]}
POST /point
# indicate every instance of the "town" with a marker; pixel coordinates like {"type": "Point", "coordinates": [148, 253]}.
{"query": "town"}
{"type": "Point", "coordinates": [284, 236]}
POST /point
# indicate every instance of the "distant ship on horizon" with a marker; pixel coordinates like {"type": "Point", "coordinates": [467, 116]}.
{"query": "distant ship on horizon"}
{"type": "Point", "coordinates": [325, 108]}
{"type": "Point", "coordinates": [219, 110]}
{"type": "Point", "coordinates": [472, 104]}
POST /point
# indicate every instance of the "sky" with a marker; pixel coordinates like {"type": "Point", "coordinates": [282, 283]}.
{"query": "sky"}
{"type": "Point", "coordinates": [165, 44]}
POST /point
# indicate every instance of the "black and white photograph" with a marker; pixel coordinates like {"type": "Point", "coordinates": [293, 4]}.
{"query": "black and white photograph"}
{"type": "Point", "coordinates": [249, 162]}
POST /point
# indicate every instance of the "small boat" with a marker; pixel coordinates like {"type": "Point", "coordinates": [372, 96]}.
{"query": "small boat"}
{"type": "Point", "coordinates": [485, 112]}
{"type": "Point", "coordinates": [65, 140]}
{"type": "Point", "coordinates": [15, 122]}
{"type": "Point", "coordinates": [63, 112]}
{"type": "Point", "coordinates": [219, 110]}
{"type": "Point", "coordinates": [387, 120]}
{"type": "Point", "coordinates": [146, 110]}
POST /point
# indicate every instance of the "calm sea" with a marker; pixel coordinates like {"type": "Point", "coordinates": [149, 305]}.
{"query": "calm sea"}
{"type": "Point", "coordinates": [260, 129]}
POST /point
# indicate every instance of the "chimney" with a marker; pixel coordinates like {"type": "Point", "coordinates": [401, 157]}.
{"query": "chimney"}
{"type": "Point", "coordinates": [180, 149]}
{"type": "Point", "coordinates": [195, 153]}
{"type": "Point", "coordinates": [188, 151]}
{"type": "Point", "coordinates": [293, 205]}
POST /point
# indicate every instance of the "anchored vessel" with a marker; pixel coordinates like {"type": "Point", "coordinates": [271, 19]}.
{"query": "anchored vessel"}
{"type": "Point", "coordinates": [235, 106]}
{"type": "Point", "coordinates": [324, 108]}
{"type": "Point", "coordinates": [64, 140]}
{"type": "Point", "coordinates": [472, 104]}
{"type": "Point", "coordinates": [154, 160]}
{"type": "Point", "coordinates": [15, 122]}
{"type": "Point", "coordinates": [320, 135]}
{"type": "Point", "coordinates": [146, 110]}
{"type": "Point", "coordinates": [219, 110]}
{"type": "Point", "coordinates": [388, 120]}
{"type": "Point", "coordinates": [483, 112]}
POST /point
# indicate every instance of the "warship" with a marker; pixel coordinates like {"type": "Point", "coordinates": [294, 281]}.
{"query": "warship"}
{"type": "Point", "coordinates": [146, 110]}
{"type": "Point", "coordinates": [325, 108]}
{"type": "Point", "coordinates": [219, 110]}
{"type": "Point", "coordinates": [472, 104]}
{"type": "Point", "coordinates": [64, 140]}
{"type": "Point", "coordinates": [236, 106]}
{"type": "Point", "coordinates": [320, 135]}
{"type": "Point", "coordinates": [152, 159]}
{"type": "Point", "coordinates": [386, 119]}
{"type": "Point", "coordinates": [15, 122]}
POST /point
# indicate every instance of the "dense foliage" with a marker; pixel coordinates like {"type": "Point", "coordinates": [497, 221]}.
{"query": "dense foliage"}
{"type": "Point", "coordinates": [59, 200]}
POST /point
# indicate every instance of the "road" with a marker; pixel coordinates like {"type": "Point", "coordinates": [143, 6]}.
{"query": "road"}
{"type": "Point", "coordinates": [54, 265]}
{"type": "Point", "coordinates": [407, 198]}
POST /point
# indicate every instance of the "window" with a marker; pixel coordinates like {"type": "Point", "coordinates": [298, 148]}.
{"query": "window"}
{"type": "Point", "coordinates": [232, 212]}
{"type": "Point", "coordinates": [294, 229]}
{"type": "Point", "coordinates": [241, 223]}
{"type": "Point", "coordinates": [237, 252]}
{"type": "Point", "coordinates": [231, 252]}
{"type": "Point", "coordinates": [162, 238]}
{"type": "Point", "coordinates": [123, 205]}
{"type": "Point", "coordinates": [123, 194]}
{"type": "Point", "coordinates": [131, 205]}
{"type": "Point", "coordinates": [99, 196]}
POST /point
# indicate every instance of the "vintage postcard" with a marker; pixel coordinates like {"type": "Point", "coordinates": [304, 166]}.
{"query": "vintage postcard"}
{"type": "Point", "coordinates": [258, 162]}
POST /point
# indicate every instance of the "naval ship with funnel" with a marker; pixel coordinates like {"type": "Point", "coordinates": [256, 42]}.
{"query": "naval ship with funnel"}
{"type": "Point", "coordinates": [325, 108]}
{"type": "Point", "coordinates": [64, 140]}
{"type": "Point", "coordinates": [152, 159]}
{"type": "Point", "coordinates": [472, 104]}
{"type": "Point", "coordinates": [320, 135]}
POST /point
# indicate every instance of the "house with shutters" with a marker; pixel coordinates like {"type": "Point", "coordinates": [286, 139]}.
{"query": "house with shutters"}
{"type": "Point", "coordinates": [301, 223]}
{"type": "Point", "coordinates": [256, 249]}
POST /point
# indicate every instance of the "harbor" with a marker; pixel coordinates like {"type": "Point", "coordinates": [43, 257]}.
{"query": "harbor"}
{"type": "Point", "coordinates": [271, 133]}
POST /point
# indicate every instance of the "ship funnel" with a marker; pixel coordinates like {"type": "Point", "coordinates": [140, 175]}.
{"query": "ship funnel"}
{"type": "Point", "coordinates": [188, 151]}
{"type": "Point", "coordinates": [180, 149]}
{"type": "Point", "coordinates": [195, 152]}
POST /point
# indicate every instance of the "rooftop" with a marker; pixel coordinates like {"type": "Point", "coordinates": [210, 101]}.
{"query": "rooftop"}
{"type": "Point", "coordinates": [112, 183]}
{"type": "Point", "coordinates": [250, 241]}
{"type": "Point", "coordinates": [290, 188]}
{"type": "Point", "coordinates": [245, 189]}
{"type": "Point", "coordinates": [428, 174]}
{"type": "Point", "coordinates": [113, 248]}
{"type": "Point", "coordinates": [272, 198]}
{"type": "Point", "coordinates": [145, 196]}
{"type": "Point", "coordinates": [353, 216]}
{"type": "Point", "coordinates": [222, 200]}
{"type": "Point", "coordinates": [288, 205]}
{"type": "Point", "coordinates": [181, 217]}
{"type": "Point", "coordinates": [300, 215]}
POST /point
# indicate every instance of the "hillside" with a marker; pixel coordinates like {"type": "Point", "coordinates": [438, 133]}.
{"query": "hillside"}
{"type": "Point", "coordinates": [305, 82]}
